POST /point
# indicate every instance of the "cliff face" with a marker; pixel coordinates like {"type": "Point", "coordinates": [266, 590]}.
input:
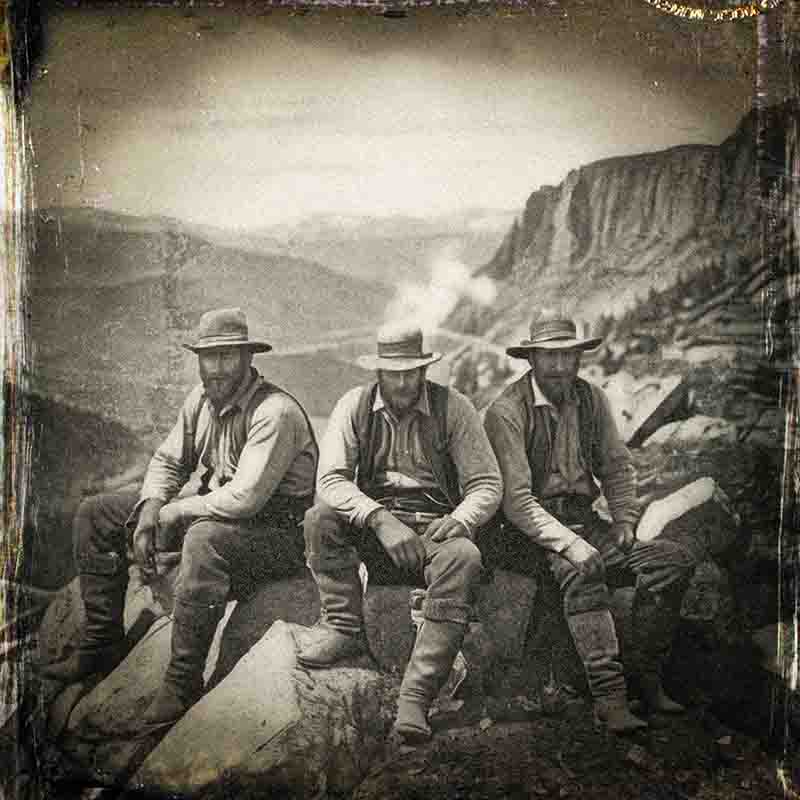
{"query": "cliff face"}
{"type": "Point", "coordinates": [615, 229]}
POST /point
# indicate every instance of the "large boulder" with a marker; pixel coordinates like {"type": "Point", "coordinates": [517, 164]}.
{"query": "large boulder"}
{"type": "Point", "coordinates": [103, 733]}
{"type": "Point", "coordinates": [99, 725]}
{"type": "Point", "coordinates": [271, 728]}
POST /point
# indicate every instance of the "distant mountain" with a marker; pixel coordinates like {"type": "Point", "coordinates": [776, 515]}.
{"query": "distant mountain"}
{"type": "Point", "coordinates": [389, 249]}
{"type": "Point", "coordinates": [616, 230]}
{"type": "Point", "coordinates": [114, 296]}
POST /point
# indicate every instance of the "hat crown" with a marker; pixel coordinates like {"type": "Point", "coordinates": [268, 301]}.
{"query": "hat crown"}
{"type": "Point", "coordinates": [552, 328]}
{"type": "Point", "coordinates": [224, 327]}
{"type": "Point", "coordinates": [397, 340]}
{"type": "Point", "coordinates": [222, 324]}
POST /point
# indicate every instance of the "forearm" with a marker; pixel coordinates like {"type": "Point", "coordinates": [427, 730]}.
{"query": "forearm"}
{"type": "Point", "coordinates": [480, 502]}
{"type": "Point", "coordinates": [619, 488]}
{"type": "Point", "coordinates": [523, 511]}
{"type": "Point", "coordinates": [344, 496]}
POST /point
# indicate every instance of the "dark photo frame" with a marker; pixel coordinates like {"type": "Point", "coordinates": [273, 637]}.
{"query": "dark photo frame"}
{"type": "Point", "coordinates": [331, 167]}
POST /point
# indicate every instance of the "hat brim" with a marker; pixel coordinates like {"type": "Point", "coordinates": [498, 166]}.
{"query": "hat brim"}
{"type": "Point", "coordinates": [524, 349]}
{"type": "Point", "coordinates": [372, 362]}
{"type": "Point", "coordinates": [253, 347]}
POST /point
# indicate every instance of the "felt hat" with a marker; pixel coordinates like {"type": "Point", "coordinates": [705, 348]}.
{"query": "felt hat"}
{"type": "Point", "coordinates": [399, 348]}
{"type": "Point", "coordinates": [224, 327]}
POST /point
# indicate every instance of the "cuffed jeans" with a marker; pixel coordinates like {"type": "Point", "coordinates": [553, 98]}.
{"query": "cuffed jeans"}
{"type": "Point", "coordinates": [659, 569]}
{"type": "Point", "coordinates": [451, 572]}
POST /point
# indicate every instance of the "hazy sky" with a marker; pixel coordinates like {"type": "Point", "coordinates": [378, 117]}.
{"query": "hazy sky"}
{"type": "Point", "coordinates": [249, 118]}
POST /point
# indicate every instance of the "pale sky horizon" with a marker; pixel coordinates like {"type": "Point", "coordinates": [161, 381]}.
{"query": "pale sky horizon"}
{"type": "Point", "coordinates": [251, 118]}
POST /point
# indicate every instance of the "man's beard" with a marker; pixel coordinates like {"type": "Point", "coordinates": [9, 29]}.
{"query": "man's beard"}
{"type": "Point", "coordinates": [221, 388]}
{"type": "Point", "coordinates": [556, 388]}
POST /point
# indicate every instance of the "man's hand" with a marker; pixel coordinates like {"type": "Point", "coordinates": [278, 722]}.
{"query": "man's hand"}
{"type": "Point", "coordinates": [586, 559]}
{"type": "Point", "coordinates": [623, 536]}
{"type": "Point", "coordinates": [404, 547]}
{"type": "Point", "coordinates": [446, 527]}
{"type": "Point", "coordinates": [144, 537]}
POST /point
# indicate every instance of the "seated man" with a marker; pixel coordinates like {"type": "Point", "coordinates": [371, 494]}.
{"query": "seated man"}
{"type": "Point", "coordinates": [406, 479]}
{"type": "Point", "coordinates": [260, 456]}
{"type": "Point", "coordinates": [555, 438]}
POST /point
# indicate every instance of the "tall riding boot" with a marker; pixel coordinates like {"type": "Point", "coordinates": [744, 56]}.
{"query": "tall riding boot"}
{"type": "Point", "coordinates": [193, 630]}
{"type": "Point", "coordinates": [102, 646]}
{"type": "Point", "coordinates": [341, 632]}
{"type": "Point", "coordinates": [595, 638]}
{"type": "Point", "coordinates": [435, 649]}
{"type": "Point", "coordinates": [655, 619]}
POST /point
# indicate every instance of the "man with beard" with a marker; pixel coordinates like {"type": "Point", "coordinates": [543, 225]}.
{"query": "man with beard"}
{"type": "Point", "coordinates": [259, 456]}
{"type": "Point", "coordinates": [555, 439]}
{"type": "Point", "coordinates": [407, 477]}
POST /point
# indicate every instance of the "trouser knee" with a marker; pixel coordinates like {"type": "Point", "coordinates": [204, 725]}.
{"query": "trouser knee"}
{"type": "Point", "coordinates": [96, 538]}
{"type": "Point", "coordinates": [327, 540]}
{"type": "Point", "coordinates": [670, 567]}
{"type": "Point", "coordinates": [204, 572]}
{"type": "Point", "coordinates": [580, 595]}
{"type": "Point", "coordinates": [453, 578]}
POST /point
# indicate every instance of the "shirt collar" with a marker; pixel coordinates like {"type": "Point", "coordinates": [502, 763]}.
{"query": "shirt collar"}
{"type": "Point", "coordinates": [539, 398]}
{"type": "Point", "coordinates": [241, 397]}
{"type": "Point", "coordinates": [422, 405]}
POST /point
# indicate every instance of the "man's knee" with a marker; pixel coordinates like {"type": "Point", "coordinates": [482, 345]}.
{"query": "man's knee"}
{"type": "Point", "coordinates": [92, 530]}
{"type": "Point", "coordinates": [579, 593]}
{"type": "Point", "coordinates": [320, 520]}
{"type": "Point", "coordinates": [663, 563]}
{"type": "Point", "coordinates": [328, 544]}
{"type": "Point", "coordinates": [460, 556]}
{"type": "Point", "coordinates": [201, 539]}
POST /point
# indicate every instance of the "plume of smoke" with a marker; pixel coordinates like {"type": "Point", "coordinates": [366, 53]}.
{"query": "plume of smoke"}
{"type": "Point", "coordinates": [430, 304]}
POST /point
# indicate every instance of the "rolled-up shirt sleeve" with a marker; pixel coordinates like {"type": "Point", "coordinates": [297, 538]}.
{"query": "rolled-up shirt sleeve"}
{"type": "Point", "coordinates": [505, 427]}
{"type": "Point", "coordinates": [276, 437]}
{"type": "Point", "coordinates": [613, 464]}
{"type": "Point", "coordinates": [338, 462]}
{"type": "Point", "coordinates": [175, 459]}
{"type": "Point", "coordinates": [478, 471]}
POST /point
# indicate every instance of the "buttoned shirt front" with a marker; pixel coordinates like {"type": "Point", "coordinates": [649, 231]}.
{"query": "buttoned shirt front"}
{"type": "Point", "coordinates": [250, 454]}
{"type": "Point", "coordinates": [402, 462]}
{"type": "Point", "coordinates": [557, 484]}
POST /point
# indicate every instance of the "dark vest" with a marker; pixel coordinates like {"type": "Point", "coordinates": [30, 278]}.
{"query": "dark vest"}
{"type": "Point", "coordinates": [541, 434]}
{"type": "Point", "coordinates": [240, 429]}
{"type": "Point", "coordinates": [433, 434]}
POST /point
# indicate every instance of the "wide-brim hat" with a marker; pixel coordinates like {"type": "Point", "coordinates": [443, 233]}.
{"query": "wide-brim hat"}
{"type": "Point", "coordinates": [553, 333]}
{"type": "Point", "coordinates": [224, 327]}
{"type": "Point", "coordinates": [399, 348]}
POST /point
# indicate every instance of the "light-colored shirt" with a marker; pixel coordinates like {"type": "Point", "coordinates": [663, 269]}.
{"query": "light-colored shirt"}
{"type": "Point", "coordinates": [275, 455]}
{"type": "Point", "coordinates": [556, 483]}
{"type": "Point", "coordinates": [505, 423]}
{"type": "Point", "coordinates": [404, 463]}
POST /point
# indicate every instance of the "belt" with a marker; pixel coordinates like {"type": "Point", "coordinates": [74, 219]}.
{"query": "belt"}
{"type": "Point", "coordinates": [415, 518]}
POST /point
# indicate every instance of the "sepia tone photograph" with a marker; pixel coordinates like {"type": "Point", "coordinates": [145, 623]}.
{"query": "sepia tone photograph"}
{"type": "Point", "coordinates": [401, 401]}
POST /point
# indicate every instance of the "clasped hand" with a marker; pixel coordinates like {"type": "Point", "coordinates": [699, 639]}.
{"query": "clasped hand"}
{"type": "Point", "coordinates": [405, 547]}
{"type": "Point", "coordinates": [154, 516]}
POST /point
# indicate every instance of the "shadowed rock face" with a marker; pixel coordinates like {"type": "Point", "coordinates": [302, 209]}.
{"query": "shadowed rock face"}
{"type": "Point", "coordinates": [614, 229]}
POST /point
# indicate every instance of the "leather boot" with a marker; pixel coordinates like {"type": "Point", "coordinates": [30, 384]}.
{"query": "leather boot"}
{"type": "Point", "coordinates": [435, 649]}
{"type": "Point", "coordinates": [655, 618]}
{"type": "Point", "coordinates": [193, 630]}
{"type": "Point", "coordinates": [340, 633]}
{"type": "Point", "coordinates": [595, 638]}
{"type": "Point", "coordinates": [102, 645]}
